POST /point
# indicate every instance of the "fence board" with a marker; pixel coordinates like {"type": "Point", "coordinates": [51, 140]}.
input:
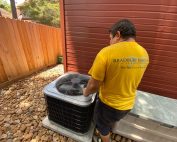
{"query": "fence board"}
{"type": "Point", "coordinates": [23, 65]}
{"type": "Point", "coordinates": [44, 45]}
{"type": "Point", "coordinates": [3, 76]}
{"type": "Point", "coordinates": [7, 57]}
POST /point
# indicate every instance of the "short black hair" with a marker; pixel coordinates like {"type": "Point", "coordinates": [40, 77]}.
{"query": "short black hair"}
{"type": "Point", "coordinates": [125, 27]}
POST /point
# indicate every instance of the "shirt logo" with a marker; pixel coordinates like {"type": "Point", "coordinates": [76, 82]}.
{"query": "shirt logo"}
{"type": "Point", "coordinates": [132, 62]}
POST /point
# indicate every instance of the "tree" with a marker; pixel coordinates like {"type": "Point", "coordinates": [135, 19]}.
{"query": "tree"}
{"type": "Point", "coordinates": [5, 5]}
{"type": "Point", "coordinates": [42, 11]}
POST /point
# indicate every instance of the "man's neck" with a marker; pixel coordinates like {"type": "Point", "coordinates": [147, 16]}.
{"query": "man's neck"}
{"type": "Point", "coordinates": [127, 40]}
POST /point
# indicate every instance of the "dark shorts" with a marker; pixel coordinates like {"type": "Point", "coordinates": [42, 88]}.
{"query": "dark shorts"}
{"type": "Point", "coordinates": [105, 116]}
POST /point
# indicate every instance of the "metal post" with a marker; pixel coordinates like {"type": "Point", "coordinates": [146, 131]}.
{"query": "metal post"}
{"type": "Point", "coordinates": [13, 8]}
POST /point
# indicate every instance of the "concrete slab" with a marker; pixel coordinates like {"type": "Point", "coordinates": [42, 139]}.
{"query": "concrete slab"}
{"type": "Point", "coordinates": [144, 130]}
{"type": "Point", "coordinates": [155, 107]}
{"type": "Point", "coordinates": [87, 137]}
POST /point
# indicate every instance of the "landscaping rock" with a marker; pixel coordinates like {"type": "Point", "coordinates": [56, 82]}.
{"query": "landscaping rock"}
{"type": "Point", "coordinates": [3, 136]}
{"type": "Point", "coordinates": [123, 140]}
{"type": "Point", "coordinates": [28, 136]}
{"type": "Point", "coordinates": [23, 127]}
{"type": "Point", "coordinates": [117, 138]}
{"type": "Point", "coordinates": [1, 117]}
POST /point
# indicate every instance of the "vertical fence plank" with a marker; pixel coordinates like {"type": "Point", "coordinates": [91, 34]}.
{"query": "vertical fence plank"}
{"type": "Point", "coordinates": [19, 50]}
{"type": "Point", "coordinates": [26, 44]}
{"type": "Point", "coordinates": [59, 43]}
{"type": "Point", "coordinates": [30, 34]}
{"type": "Point", "coordinates": [50, 47]}
{"type": "Point", "coordinates": [38, 48]}
{"type": "Point", "coordinates": [8, 57]}
{"type": "Point", "coordinates": [3, 76]}
{"type": "Point", "coordinates": [56, 51]}
{"type": "Point", "coordinates": [43, 43]}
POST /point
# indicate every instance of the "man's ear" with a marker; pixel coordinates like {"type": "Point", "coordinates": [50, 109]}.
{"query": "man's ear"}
{"type": "Point", "coordinates": [118, 34]}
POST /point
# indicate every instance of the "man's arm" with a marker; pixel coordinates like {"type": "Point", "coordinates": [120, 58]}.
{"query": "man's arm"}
{"type": "Point", "coordinates": [92, 87]}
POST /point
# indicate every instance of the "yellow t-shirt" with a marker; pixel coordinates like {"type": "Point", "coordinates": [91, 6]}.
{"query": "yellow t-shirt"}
{"type": "Point", "coordinates": [120, 67]}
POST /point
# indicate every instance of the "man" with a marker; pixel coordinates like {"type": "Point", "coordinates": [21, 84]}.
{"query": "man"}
{"type": "Point", "coordinates": [116, 72]}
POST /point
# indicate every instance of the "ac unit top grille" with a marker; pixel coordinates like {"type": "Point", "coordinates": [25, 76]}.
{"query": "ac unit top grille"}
{"type": "Point", "coordinates": [72, 84]}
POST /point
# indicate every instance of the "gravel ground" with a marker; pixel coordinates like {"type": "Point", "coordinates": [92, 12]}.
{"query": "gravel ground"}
{"type": "Point", "coordinates": [22, 109]}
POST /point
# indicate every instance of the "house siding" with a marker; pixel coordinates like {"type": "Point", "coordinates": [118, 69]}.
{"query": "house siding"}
{"type": "Point", "coordinates": [87, 22]}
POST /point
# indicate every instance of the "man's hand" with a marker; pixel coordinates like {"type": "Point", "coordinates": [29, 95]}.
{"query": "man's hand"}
{"type": "Point", "coordinates": [92, 87]}
{"type": "Point", "coordinates": [84, 91]}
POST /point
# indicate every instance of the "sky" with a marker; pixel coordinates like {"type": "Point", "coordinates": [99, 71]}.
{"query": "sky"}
{"type": "Point", "coordinates": [16, 1]}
